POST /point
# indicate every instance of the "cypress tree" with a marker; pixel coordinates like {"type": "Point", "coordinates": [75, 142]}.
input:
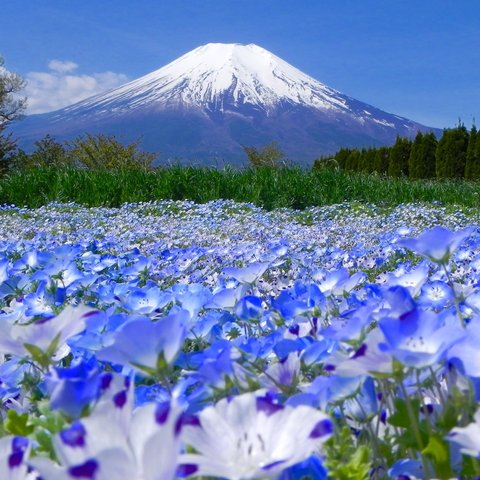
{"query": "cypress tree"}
{"type": "Point", "coordinates": [352, 160]}
{"type": "Point", "coordinates": [451, 153]}
{"type": "Point", "coordinates": [421, 163]}
{"type": "Point", "coordinates": [472, 165]}
{"type": "Point", "coordinates": [380, 164]}
{"type": "Point", "coordinates": [398, 158]}
{"type": "Point", "coordinates": [370, 160]}
{"type": "Point", "coordinates": [415, 161]}
{"type": "Point", "coordinates": [429, 150]}
{"type": "Point", "coordinates": [363, 161]}
{"type": "Point", "coordinates": [341, 157]}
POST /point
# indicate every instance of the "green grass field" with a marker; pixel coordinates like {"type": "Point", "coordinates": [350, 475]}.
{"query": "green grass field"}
{"type": "Point", "coordinates": [269, 188]}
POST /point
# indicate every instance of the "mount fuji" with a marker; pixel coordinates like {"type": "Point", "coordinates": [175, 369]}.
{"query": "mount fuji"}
{"type": "Point", "coordinates": [202, 107]}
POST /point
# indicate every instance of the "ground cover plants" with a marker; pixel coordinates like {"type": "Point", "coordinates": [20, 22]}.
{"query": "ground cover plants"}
{"type": "Point", "coordinates": [290, 187]}
{"type": "Point", "coordinates": [173, 339]}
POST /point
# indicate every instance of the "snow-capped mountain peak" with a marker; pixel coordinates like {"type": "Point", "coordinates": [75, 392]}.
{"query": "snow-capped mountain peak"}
{"type": "Point", "coordinates": [216, 76]}
{"type": "Point", "coordinates": [207, 104]}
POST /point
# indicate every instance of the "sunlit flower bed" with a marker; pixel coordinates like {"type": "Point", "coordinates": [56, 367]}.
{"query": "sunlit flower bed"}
{"type": "Point", "coordinates": [169, 340]}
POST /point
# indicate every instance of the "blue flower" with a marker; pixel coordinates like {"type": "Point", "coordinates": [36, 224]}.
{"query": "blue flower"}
{"type": "Point", "coordinates": [72, 389]}
{"type": "Point", "coordinates": [419, 338]}
{"type": "Point", "coordinates": [438, 243]}
{"type": "Point", "coordinates": [139, 343]}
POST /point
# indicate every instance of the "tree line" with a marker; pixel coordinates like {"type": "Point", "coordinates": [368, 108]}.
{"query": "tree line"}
{"type": "Point", "coordinates": [455, 155]}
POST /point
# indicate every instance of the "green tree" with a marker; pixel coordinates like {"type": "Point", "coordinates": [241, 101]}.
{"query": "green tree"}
{"type": "Point", "coordinates": [421, 163]}
{"type": "Point", "coordinates": [11, 108]}
{"type": "Point", "coordinates": [472, 165]}
{"type": "Point", "coordinates": [48, 152]}
{"type": "Point", "coordinates": [268, 156]}
{"type": "Point", "coordinates": [341, 157]}
{"type": "Point", "coordinates": [353, 160]}
{"type": "Point", "coordinates": [398, 158]}
{"type": "Point", "coordinates": [103, 152]}
{"type": "Point", "coordinates": [380, 161]}
{"type": "Point", "coordinates": [369, 162]}
{"type": "Point", "coordinates": [451, 153]}
{"type": "Point", "coordinates": [363, 160]}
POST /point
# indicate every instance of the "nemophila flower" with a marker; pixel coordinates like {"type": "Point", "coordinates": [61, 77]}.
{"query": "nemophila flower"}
{"type": "Point", "coordinates": [413, 280]}
{"type": "Point", "coordinates": [40, 302]}
{"type": "Point", "coordinates": [350, 324]}
{"type": "Point", "coordinates": [48, 335]}
{"type": "Point", "coordinates": [191, 297]}
{"type": "Point", "coordinates": [327, 390]}
{"type": "Point", "coordinates": [247, 275]}
{"type": "Point", "coordinates": [283, 373]}
{"type": "Point", "coordinates": [339, 281]}
{"type": "Point", "coordinates": [438, 243]}
{"type": "Point", "coordinates": [288, 306]}
{"type": "Point", "coordinates": [146, 300]}
{"type": "Point", "coordinates": [249, 308]}
{"type": "Point", "coordinates": [139, 343]}
{"type": "Point", "coordinates": [369, 358]}
{"type": "Point", "coordinates": [144, 447]}
{"type": "Point", "coordinates": [252, 436]}
{"type": "Point", "coordinates": [364, 405]}
{"type": "Point", "coordinates": [467, 438]}
{"type": "Point", "coordinates": [72, 389]}
{"type": "Point", "coordinates": [311, 468]}
{"type": "Point", "coordinates": [407, 469]}
{"type": "Point", "coordinates": [436, 294]}
{"type": "Point", "coordinates": [214, 365]}
{"type": "Point", "coordinates": [465, 354]}
{"type": "Point", "coordinates": [226, 298]}
{"type": "Point", "coordinates": [14, 452]}
{"type": "Point", "coordinates": [419, 338]}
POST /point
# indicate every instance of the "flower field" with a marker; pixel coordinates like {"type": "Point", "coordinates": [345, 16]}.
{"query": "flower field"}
{"type": "Point", "coordinates": [169, 339]}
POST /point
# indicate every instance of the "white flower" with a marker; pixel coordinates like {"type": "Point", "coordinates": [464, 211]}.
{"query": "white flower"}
{"type": "Point", "coordinates": [115, 444]}
{"type": "Point", "coordinates": [45, 334]}
{"type": "Point", "coordinates": [468, 438]}
{"type": "Point", "coordinates": [250, 436]}
{"type": "Point", "coordinates": [13, 453]}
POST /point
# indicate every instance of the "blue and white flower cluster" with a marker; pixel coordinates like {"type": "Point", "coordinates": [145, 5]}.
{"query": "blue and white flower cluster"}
{"type": "Point", "coordinates": [169, 340]}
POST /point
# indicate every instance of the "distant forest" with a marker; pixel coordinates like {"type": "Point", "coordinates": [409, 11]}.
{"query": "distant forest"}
{"type": "Point", "coordinates": [455, 155]}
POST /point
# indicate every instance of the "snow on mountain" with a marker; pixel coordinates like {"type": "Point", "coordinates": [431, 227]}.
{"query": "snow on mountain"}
{"type": "Point", "coordinates": [209, 102]}
{"type": "Point", "coordinates": [211, 74]}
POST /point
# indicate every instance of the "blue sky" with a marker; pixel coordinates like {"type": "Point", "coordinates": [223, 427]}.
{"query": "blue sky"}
{"type": "Point", "coordinates": [416, 58]}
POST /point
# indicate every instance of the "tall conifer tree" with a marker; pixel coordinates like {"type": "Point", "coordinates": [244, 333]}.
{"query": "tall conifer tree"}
{"type": "Point", "coordinates": [472, 166]}
{"type": "Point", "coordinates": [451, 153]}
{"type": "Point", "coordinates": [398, 158]}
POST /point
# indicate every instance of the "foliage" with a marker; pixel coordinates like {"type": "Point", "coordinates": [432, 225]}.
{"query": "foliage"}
{"type": "Point", "coordinates": [451, 153]}
{"type": "Point", "coordinates": [268, 156]}
{"type": "Point", "coordinates": [472, 165]}
{"type": "Point", "coordinates": [421, 163]}
{"type": "Point", "coordinates": [48, 152]}
{"type": "Point", "coordinates": [102, 152]}
{"type": "Point", "coordinates": [398, 158]}
{"type": "Point", "coordinates": [11, 108]}
{"type": "Point", "coordinates": [455, 155]}
{"type": "Point", "coordinates": [266, 187]}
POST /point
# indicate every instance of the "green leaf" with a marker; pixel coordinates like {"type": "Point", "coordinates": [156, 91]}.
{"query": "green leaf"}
{"type": "Point", "coordinates": [17, 424]}
{"type": "Point", "coordinates": [52, 348]}
{"type": "Point", "coordinates": [401, 417]}
{"type": "Point", "coordinates": [438, 450]}
{"type": "Point", "coordinates": [38, 355]}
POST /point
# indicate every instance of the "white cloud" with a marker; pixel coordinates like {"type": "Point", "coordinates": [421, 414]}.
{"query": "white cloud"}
{"type": "Point", "coordinates": [60, 66]}
{"type": "Point", "coordinates": [59, 87]}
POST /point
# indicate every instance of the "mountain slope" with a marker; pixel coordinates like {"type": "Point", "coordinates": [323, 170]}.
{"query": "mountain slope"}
{"type": "Point", "coordinates": [205, 105]}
